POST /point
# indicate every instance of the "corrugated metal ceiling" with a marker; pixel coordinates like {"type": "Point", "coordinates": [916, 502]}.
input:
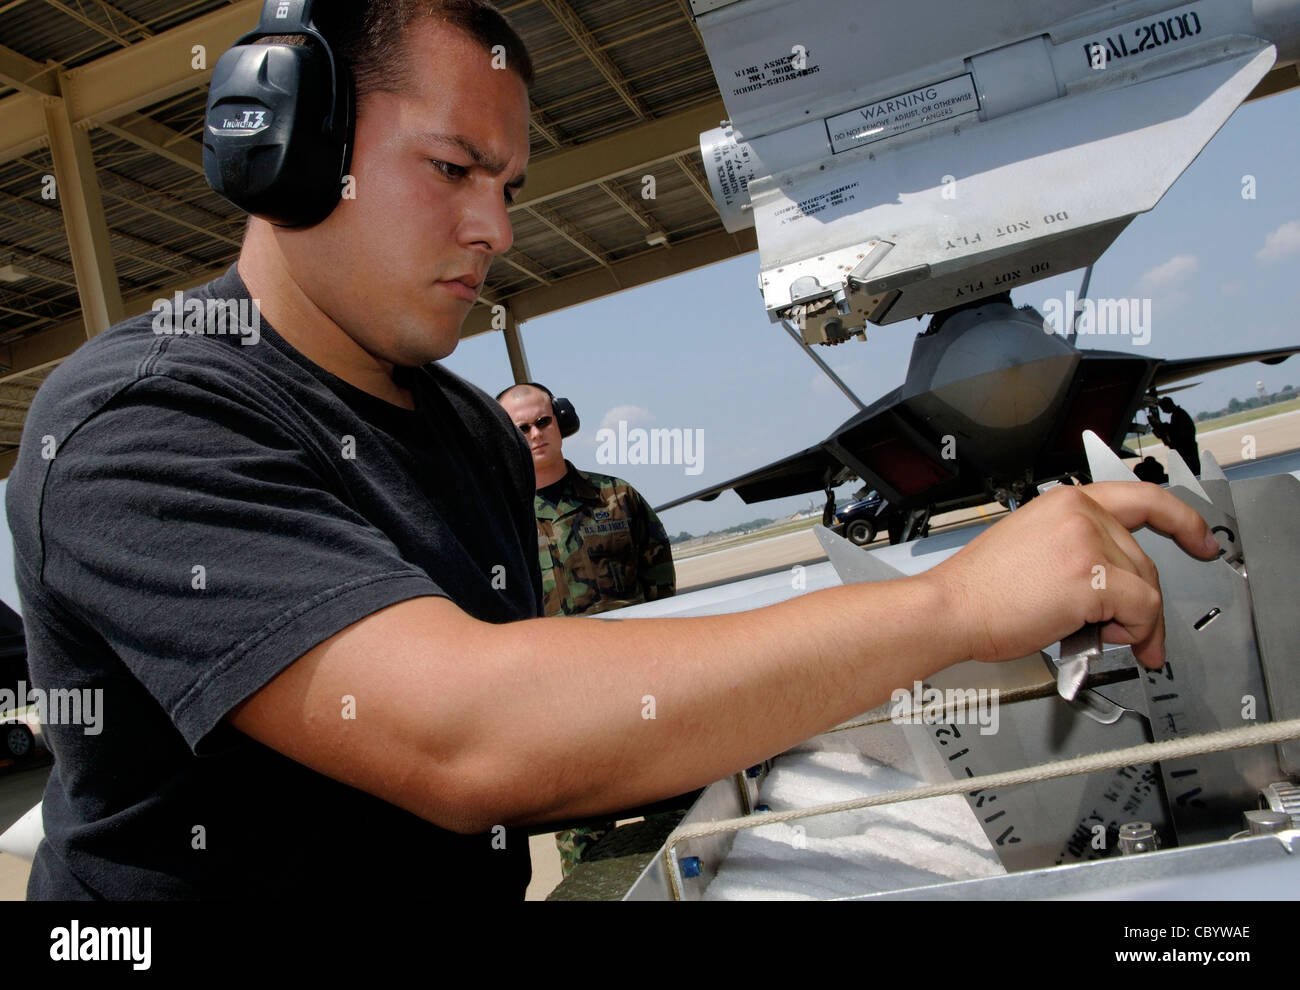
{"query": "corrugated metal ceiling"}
{"type": "Point", "coordinates": [603, 67]}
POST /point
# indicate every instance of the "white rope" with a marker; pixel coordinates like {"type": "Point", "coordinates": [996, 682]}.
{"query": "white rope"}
{"type": "Point", "coordinates": [951, 712]}
{"type": "Point", "coordinates": [1173, 749]}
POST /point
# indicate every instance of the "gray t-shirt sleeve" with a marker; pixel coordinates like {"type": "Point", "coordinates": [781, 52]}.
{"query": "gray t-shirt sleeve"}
{"type": "Point", "coordinates": [207, 547]}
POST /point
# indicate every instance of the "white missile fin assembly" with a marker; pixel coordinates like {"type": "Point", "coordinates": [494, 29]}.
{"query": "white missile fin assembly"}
{"type": "Point", "coordinates": [901, 159]}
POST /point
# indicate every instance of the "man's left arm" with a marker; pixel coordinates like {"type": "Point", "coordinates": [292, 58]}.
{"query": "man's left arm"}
{"type": "Point", "coordinates": [656, 574]}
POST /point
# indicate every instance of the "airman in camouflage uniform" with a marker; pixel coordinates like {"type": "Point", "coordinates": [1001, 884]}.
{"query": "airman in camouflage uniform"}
{"type": "Point", "coordinates": [601, 547]}
{"type": "Point", "coordinates": [600, 544]}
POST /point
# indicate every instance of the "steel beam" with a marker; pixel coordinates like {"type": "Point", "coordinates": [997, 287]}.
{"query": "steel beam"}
{"type": "Point", "coordinates": [107, 33]}
{"type": "Point", "coordinates": [642, 269]}
{"type": "Point", "coordinates": [30, 77]}
{"type": "Point", "coordinates": [150, 135]}
{"type": "Point", "coordinates": [125, 81]}
{"type": "Point", "coordinates": [48, 347]}
{"type": "Point", "coordinates": [697, 178]}
{"type": "Point", "coordinates": [1277, 81]}
{"type": "Point", "coordinates": [571, 234]}
{"type": "Point", "coordinates": [515, 350]}
{"type": "Point", "coordinates": [638, 147]}
{"type": "Point", "coordinates": [83, 219]}
{"type": "Point", "coordinates": [590, 47]}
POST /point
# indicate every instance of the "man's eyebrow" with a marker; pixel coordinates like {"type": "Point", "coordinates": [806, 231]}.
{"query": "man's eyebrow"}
{"type": "Point", "coordinates": [488, 162]}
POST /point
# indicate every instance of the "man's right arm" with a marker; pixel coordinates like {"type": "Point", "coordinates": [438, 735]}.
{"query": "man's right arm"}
{"type": "Point", "coordinates": [470, 725]}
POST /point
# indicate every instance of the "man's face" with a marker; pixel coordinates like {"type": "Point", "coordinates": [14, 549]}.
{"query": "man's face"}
{"type": "Point", "coordinates": [399, 266]}
{"type": "Point", "coordinates": [525, 407]}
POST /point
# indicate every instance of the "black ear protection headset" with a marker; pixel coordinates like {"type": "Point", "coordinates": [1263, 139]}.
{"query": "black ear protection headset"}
{"type": "Point", "coordinates": [566, 417]}
{"type": "Point", "coordinates": [278, 136]}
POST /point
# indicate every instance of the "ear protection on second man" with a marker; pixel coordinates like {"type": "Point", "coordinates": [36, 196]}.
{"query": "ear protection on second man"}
{"type": "Point", "coordinates": [277, 140]}
{"type": "Point", "coordinates": [566, 417]}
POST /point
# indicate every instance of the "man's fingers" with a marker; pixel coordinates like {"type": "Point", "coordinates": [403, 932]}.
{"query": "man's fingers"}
{"type": "Point", "coordinates": [1143, 565]}
{"type": "Point", "coordinates": [1137, 618]}
{"type": "Point", "coordinates": [1137, 504]}
{"type": "Point", "coordinates": [1151, 648]}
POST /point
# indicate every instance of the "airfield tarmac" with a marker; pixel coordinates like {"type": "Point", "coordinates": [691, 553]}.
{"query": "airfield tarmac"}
{"type": "Point", "coordinates": [1272, 436]}
{"type": "Point", "coordinates": [19, 789]}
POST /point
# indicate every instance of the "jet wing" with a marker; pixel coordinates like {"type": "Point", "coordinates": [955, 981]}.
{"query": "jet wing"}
{"type": "Point", "coordinates": [806, 471]}
{"type": "Point", "coordinates": [1174, 371]}
{"type": "Point", "coordinates": [796, 474]}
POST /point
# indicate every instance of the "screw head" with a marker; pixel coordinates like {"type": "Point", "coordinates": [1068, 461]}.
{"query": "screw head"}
{"type": "Point", "coordinates": [1137, 837]}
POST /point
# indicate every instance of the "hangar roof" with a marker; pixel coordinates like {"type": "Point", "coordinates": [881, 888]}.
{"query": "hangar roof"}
{"type": "Point", "coordinates": [623, 89]}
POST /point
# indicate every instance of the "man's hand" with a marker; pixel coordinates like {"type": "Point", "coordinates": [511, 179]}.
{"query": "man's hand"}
{"type": "Point", "coordinates": [1065, 559]}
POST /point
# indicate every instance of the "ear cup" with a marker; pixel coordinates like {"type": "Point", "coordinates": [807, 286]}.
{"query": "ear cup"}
{"type": "Point", "coordinates": [566, 417]}
{"type": "Point", "coordinates": [269, 145]}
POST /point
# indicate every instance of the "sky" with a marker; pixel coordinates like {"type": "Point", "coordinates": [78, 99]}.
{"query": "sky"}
{"type": "Point", "coordinates": [697, 352]}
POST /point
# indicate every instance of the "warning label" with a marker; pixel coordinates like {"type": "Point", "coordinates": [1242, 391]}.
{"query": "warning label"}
{"type": "Point", "coordinates": [915, 108]}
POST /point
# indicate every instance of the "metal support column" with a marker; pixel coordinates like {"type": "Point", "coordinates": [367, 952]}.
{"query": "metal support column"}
{"type": "Point", "coordinates": [83, 218]}
{"type": "Point", "coordinates": [515, 348]}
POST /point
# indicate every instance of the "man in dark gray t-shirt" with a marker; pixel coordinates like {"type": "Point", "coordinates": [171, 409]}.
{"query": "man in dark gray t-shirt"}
{"type": "Point", "coordinates": [215, 509]}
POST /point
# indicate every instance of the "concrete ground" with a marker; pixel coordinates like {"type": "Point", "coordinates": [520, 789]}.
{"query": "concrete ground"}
{"type": "Point", "coordinates": [547, 871]}
{"type": "Point", "coordinates": [1246, 441]}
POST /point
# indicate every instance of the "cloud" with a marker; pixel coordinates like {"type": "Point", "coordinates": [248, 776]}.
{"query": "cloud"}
{"type": "Point", "coordinates": [1172, 271]}
{"type": "Point", "coordinates": [1282, 242]}
{"type": "Point", "coordinates": [631, 414]}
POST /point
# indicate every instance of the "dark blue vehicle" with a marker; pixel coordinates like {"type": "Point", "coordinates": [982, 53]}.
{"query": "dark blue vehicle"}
{"type": "Point", "coordinates": [859, 521]}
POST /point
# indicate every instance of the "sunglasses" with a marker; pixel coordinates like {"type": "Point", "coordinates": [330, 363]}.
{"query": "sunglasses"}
{"type": "Point", "coordinates": [541, 424]}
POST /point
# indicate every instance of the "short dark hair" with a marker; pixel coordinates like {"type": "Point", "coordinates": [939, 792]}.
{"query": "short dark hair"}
{"type": "Point", "coordinates": [370, 37]}
{"type": "Point", "coordinates": [537, 385]}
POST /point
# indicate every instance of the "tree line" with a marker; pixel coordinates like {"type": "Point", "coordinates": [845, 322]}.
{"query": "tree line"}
{"type": "Point", "coordinates": [1285, 394]}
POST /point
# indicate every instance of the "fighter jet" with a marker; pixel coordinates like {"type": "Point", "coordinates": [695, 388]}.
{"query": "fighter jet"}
{"type": "Point", "coordinates": [992, 407]}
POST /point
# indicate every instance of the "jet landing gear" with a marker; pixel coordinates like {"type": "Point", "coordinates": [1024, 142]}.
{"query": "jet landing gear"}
{"type": "Point", "coordinates": [1014, 495]}
{"type": "Point", "coordinates": [911, 525]}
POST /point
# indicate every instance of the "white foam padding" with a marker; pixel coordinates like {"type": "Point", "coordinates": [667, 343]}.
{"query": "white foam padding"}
{"type": "Point", "coordinates": [911, 844]}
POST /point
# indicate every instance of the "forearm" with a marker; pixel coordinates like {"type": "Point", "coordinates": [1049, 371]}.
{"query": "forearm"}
{"type": "Point", "coordinates": [582, 716]}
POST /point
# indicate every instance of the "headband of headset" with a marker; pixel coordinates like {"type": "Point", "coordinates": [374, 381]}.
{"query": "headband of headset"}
{"type": "Point", "coordinates": [566, 417]}
{"type": "Point", "coordinates": [278, 136]}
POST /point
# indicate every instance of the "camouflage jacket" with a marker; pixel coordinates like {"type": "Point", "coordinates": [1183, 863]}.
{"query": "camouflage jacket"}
{"type": "Point", "coordinates": [600, 547]}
